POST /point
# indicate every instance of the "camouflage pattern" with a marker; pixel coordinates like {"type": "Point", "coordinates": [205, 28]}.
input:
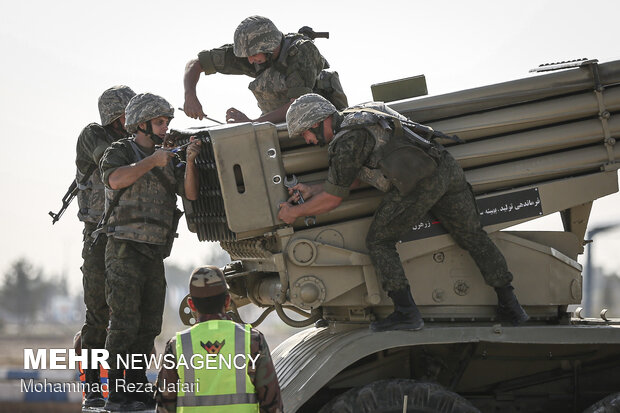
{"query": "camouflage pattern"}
{"type": "Point", "coordinates": [91, 144]}
{"type": "Point", "coordinates": [395, 160]}
{"type": "Point", "coordinates": [146, 209]}
{"type": "Point", "coordinates": [135, 282]}
{"type": "Point", "coordinates": [306, 111]}
{"type": "Point", "coordinates": [207, 281]}
{"type": "Point", "coordinates": [356, 117]}
{"type": "Point", "coordinates": [328, 85]}
{"type": "Point", "coordinates": [263, 376]}
{"type": "Point", "coordinates": [448, 196]}
{"type": "Point", "coordinates": [255, 35]}
{"type": "Point", "coordinates": [93, 281]}
{"type": "Point", "coordinates": [135, 288]}
{"type": "Point", "coordinates": [112, 103]}
{"type": "Point", "coordinates": [445, 193]}
{"type": "Point", "coordinates": [144, 107]}
{"type": "Point", "coordinates": [294, 73]}
{"type": "Point", "coordinates": [270, 90]}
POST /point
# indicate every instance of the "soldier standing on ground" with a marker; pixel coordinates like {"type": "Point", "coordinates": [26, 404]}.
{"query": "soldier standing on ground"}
{"type": "Point", "coordinates": [92, 142]}
{"type": "Point", "coordinates": [141, 186]}
{"type": "Point", "coordinates": [250, 389]}
{"type": "Point", "coordinates": [417, 175]}
{"type": "Point", "coordinates": [284, 67]}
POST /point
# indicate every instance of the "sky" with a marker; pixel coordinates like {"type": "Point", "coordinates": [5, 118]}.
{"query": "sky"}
{"type": "Point", "coordinates": [60, 56]}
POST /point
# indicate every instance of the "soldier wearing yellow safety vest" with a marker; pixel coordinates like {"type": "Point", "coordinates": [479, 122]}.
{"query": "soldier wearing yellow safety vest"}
{"type": "Point", "coordinates": [221, 366]}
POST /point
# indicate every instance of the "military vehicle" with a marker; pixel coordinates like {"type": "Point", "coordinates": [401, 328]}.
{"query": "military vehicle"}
{"type": "Point", "coordinates": [533, 147]}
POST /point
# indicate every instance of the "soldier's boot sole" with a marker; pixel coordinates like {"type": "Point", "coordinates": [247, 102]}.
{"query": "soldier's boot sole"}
{"type": "Point", "coordinates": [398, 321]}
{"type": "Point", "coordinates": [93, 400]}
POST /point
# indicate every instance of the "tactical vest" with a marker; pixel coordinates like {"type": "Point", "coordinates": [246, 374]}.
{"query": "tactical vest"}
{"type": "Point", "coordinates": [396, 160]}
{"type": "Point", "coordinates": [145, 211]}
{"type": "Point", "coordinates": [271, 91]}
{"type": "Point", "coordinates": [221, 390]}
{"type": "Point", "coordinates": [91, 196]}
{"type": "Point", "coordinates": [269, 87]}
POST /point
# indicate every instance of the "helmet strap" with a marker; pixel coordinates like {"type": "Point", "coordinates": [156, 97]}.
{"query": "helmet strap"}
{"type": "Point", "coordinates": [149, 132]}
{"type": "Point", "coordinates": [118, 127]}
{"type": "Point", "coordinates": [319, 133]}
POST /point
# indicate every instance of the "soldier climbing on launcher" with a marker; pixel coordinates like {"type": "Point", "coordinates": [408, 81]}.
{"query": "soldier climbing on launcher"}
{"type": "Point", "coordinates": [284, 67]}
{"type": "Point", "coordinates": [372, 143]}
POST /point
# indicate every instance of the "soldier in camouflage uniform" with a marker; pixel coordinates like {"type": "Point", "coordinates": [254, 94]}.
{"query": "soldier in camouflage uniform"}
{"type": "Point", "coordinates": [367, 143]}
{"type": "Point", "coordinates": [92, 142]}
{"type": "Point", "coordinates": [208, 300]}
{"type": "Point", "coordinates": [141, 186]}
{"type": "Point", "coordinates": [284, 67]}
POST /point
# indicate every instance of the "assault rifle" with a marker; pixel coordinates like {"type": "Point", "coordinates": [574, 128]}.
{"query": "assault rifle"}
{"type": "Point", "coordinates": [66, 200]}
{"type": "Point", "coordinates": [308, 32]}
{"type": "Point", "coordinates": [70, 194]}
{"type": "Point", "coordinates": [428, 132]}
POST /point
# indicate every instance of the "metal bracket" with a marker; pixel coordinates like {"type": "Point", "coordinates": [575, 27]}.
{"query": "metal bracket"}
{"type": "Point", "coordinates": [603, 114]}
{"type": "Point", "coordinates": [548, 67]}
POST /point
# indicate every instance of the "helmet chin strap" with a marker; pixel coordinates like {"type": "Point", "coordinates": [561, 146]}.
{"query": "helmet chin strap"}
{"type": "Point", "coordinates": [319, 132]}
{"type": "Point", "coordinates": [118, 126]}
{"type": "Point", "coordinates": [149, 132]}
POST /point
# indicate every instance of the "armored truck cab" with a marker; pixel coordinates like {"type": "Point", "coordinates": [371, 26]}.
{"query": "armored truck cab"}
{"type": "Point", "coordinates": [533, 147]}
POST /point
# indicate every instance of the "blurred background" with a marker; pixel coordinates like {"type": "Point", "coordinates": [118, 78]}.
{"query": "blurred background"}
{"type": "Point", "coordinates": [58, 57]}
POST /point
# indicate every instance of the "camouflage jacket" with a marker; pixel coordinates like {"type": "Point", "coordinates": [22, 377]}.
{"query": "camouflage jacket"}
{"type": "Point", "coordinates": [292, 74]}
{"type": "Point", "coordinates": [263, 377]}
{"type": "Point", "coordinates": [91, 144]}
{"type": "Point", "coordinates": [367, 148]}
{"type": "Point", "coordinates": [347, 156]}
{"type": "Point", "coordinates": [145, 211]}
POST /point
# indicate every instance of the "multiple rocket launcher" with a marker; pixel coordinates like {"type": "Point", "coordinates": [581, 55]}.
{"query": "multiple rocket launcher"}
{"type": "Point", "coordinates": [547, 140]}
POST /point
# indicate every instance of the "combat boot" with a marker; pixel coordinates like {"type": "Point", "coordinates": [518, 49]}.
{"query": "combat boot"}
{"type": "Point", "coordinates": [508, 306]}
{"type": "Point", "coordinates": [117, 397]}
{"type": "Point", "coordinates": [91, 381]}
{"type": "Point", "coordinates": [406, 315]}
{"type": "Point", "coordinates": [144, 395]}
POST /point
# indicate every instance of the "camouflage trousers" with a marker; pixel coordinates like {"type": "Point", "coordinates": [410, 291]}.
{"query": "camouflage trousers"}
{"type": "Point", "coordinates": [448, 196]}
{"type": "Point", "coordinates": [135, 291]}
{"type": "Point", "coordinates": [93, 281]}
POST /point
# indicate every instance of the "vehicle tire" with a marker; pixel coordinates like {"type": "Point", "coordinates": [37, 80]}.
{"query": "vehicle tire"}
{"type": "Point", "coordinates": [387, 396]}
{"type": "Point", "coordinates": [610, 404]}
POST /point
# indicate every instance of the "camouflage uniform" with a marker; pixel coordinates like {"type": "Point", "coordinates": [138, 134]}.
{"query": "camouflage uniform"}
{"type": "Point", "coordinates": [135, 279]}
{"type": "Point", "coordinates": [92, 142]}
{"type": "Point", "coordinates": [297, 70]}
{"type": "Point", "coordinates": [445, 193]}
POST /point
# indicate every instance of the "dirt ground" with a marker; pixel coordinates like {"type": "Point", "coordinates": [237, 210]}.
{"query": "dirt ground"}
{"type": "Point", "coordinates": [6, 407]}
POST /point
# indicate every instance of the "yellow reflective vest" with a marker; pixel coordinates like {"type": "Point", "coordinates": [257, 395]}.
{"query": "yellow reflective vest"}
{"type": "Point", "coordinates": [213, 376]}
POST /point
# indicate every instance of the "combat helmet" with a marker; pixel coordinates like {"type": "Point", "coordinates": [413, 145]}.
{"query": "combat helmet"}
{"type": "Point", "coordinates": [112, 103]}
{"type": "Point", "coordinates": [144, 107]}
{"type": "Point", "coordinates": [305, 111]}
{"type": "Point", "coordinates": [255, 35]}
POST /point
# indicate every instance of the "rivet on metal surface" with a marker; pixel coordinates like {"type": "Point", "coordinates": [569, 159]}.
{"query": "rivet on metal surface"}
{"type": "Point", "coordinates": [461, 288]}
{"type": "Point", "coordinates": [439, 257]}
{"type": "Point", "coordinates": [578, 313]}
{"type": "Point", "coordinates": [438, 295]}
{"type": "Point", "coordinates": [604, 314]}
{"type": "Point", "coordinates": [277, 179]}
{"type": "Point", "coordinates": [271, 152]}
